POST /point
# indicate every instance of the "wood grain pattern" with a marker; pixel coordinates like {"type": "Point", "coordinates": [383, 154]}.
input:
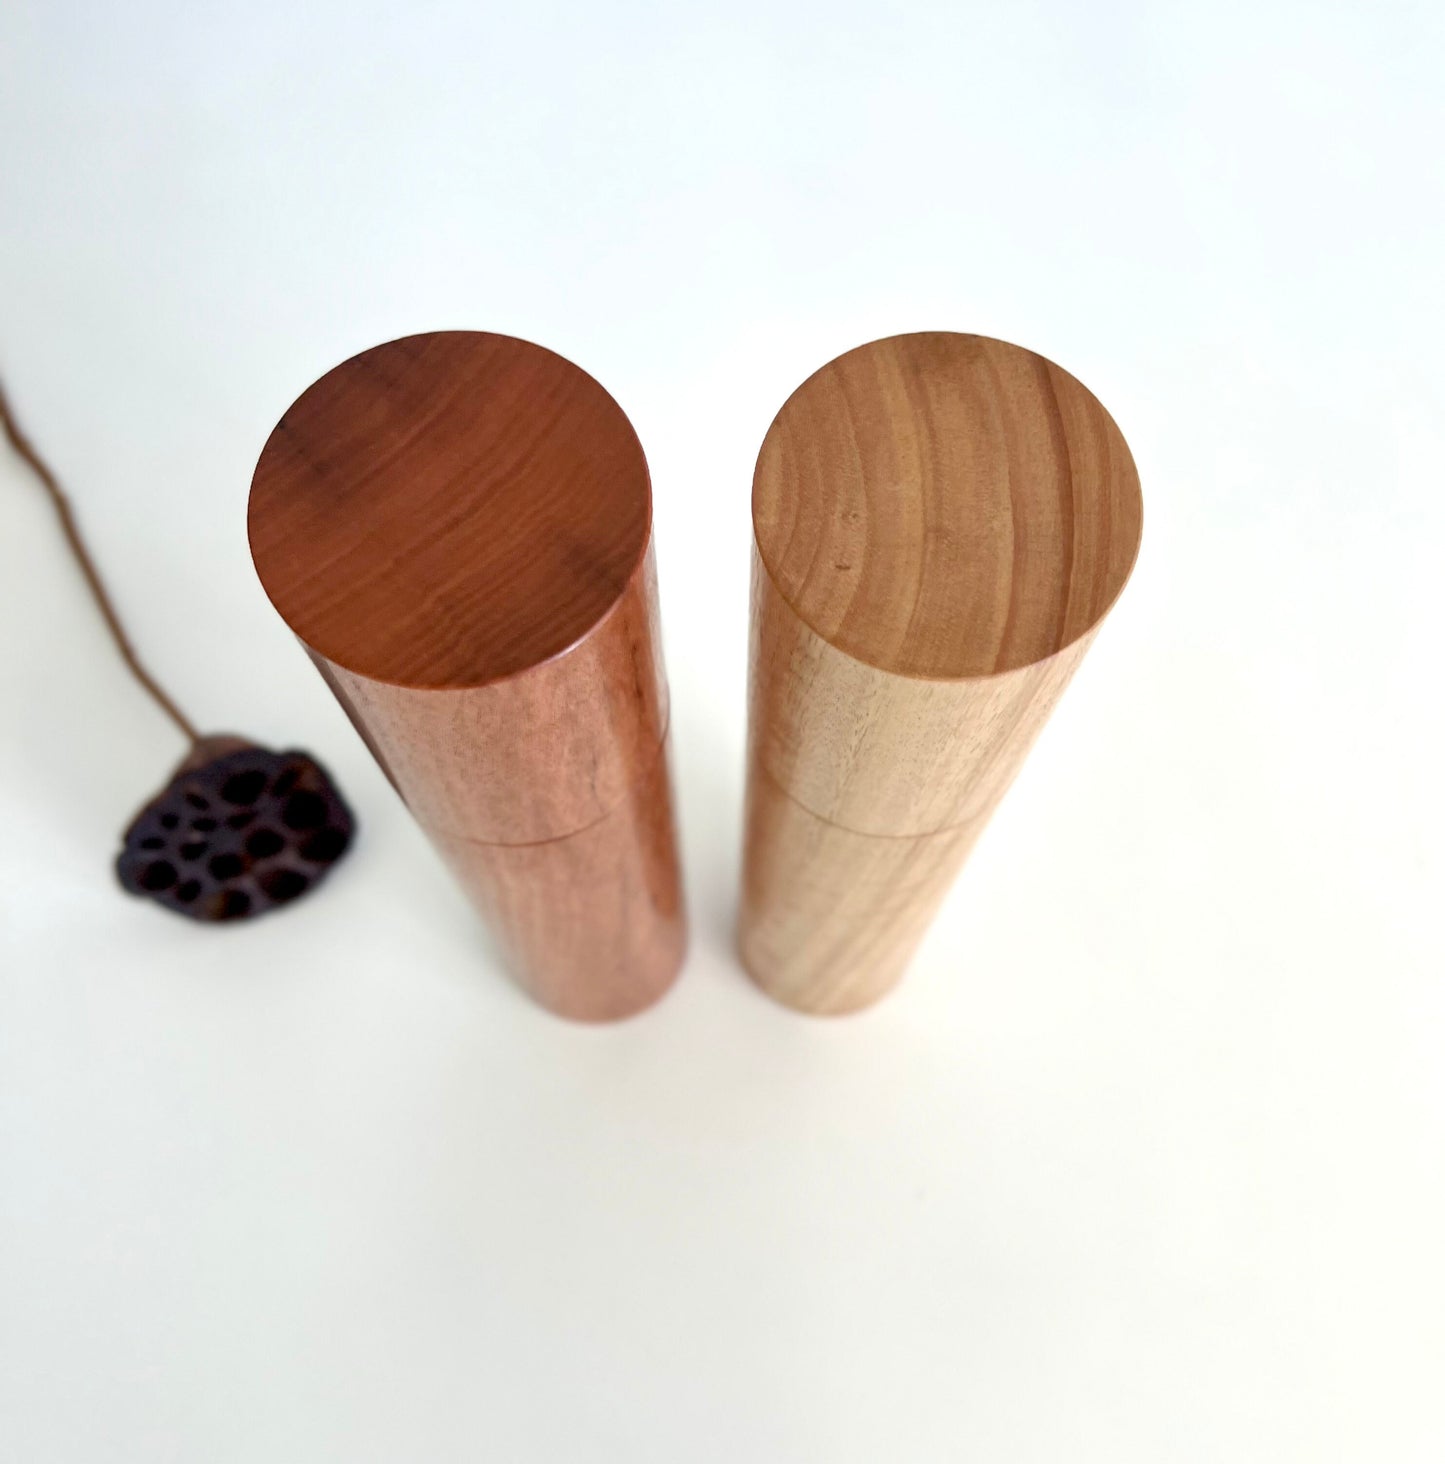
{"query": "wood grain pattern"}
{"type": "Point", "coordinates": [458, 529]}
{"type": "Point", "coordinates": [470, 505]}
{"type": "Point", "coordinates": [595, 920]}
{"type": "Point", "coordinates": [594, 717]}
{"type": "Point", "coordinates": [830, 918]}
{"type": "Point", "coordinates": [941, 523]}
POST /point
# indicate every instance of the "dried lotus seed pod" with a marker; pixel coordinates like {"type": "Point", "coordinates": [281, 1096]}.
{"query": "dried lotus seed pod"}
{"type": "Point", "coordinates": [238, 831]}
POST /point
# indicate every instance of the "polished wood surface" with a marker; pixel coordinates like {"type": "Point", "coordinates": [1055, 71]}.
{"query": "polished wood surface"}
{"type": "Point", "coordinates": [831, 917]}
{"type": "Point", "coordinates": [946, 506]}
{"type": "Point", "coordinates": [449, 509]}
{"type": "Point", "coordinates": [592, 718]}
{"type": "Point", "coordinates": [595, 919]}
{"type": "Point", "coordinates": [458, 529]}
{"type": "Point", "coordinates": [941, 523]}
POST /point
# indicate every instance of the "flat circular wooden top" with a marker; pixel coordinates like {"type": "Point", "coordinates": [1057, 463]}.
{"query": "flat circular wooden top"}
{"type": "Point", "coordinates": [946, 506]}
{"type": "Point", "coordinates": [449, 509]}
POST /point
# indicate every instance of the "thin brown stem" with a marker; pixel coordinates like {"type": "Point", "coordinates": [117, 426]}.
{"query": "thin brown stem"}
{"type": "Point", "coordinates": [21, 444]}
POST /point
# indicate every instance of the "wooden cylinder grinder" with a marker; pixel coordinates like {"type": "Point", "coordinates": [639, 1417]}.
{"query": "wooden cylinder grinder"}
{"type": "Point", "coordinates": [458, 528]}
{"type": "Point", "coordinates": [941, 522]}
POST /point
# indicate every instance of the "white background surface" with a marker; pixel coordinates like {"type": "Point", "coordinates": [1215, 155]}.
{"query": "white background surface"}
{"type": "Point", "coordinates": [1145, 1160]}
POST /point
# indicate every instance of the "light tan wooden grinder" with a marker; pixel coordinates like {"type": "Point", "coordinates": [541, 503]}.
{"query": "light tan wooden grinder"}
{"type": "Point", "coordinates": [458, 528]}
{"type": "Point", "coordinates": [941, 522]}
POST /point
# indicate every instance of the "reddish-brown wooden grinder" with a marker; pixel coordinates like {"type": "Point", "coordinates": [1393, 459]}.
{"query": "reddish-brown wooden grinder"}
{"type": "Point", "coordinates": [458, 528]}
